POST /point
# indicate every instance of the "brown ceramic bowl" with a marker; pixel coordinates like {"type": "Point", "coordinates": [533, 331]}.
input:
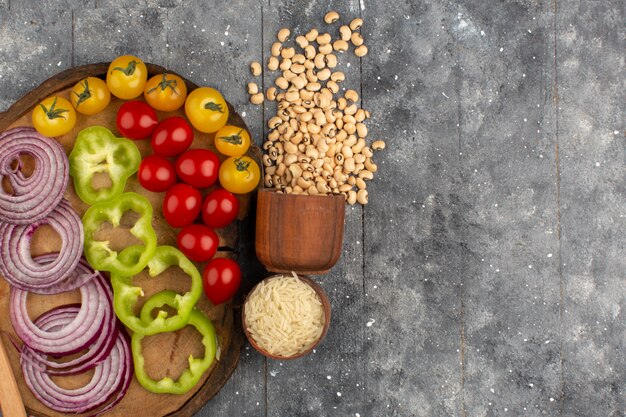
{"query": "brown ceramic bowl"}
{"type": "Point", "coordinates": [301, 233]}
{"type": "Point", "coordinates": [325, 305]}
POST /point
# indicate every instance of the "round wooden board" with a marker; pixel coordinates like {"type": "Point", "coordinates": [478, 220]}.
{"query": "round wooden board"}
{"type": "Point", "coordinates": [165, 354]}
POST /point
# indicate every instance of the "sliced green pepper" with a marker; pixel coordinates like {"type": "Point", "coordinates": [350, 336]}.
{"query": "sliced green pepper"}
{"type": "Point", "coordinates": [97, 150]}
{"type": "Point", "coordinates": [197, 367]}
{"type": "Point", "coordinates": [98, 253]}
{"type": "Point", "coordinates": [158, 300]}
{"type": "Point", "coordinates": [125, 294]}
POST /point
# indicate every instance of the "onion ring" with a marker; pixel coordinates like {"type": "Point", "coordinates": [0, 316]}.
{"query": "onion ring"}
{"type": "Point", "coordinates": [111, 376]}
{"type": "Point", "coordinates": [16, 263]}
{"type": "Point", "coordinates": [56, 319]}
{"type": "Point", "coordinates": [73, 337]}
{"type": "Point", "coordinates": [35, 196]}
{"type": "Point", "coordinates": [75, 279]}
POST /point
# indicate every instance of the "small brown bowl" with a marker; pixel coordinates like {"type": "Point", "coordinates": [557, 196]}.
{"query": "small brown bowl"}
{"type": "Point", "coordinates": [325, 305]}
{"type": "Point", "coordinates": [301, 233]}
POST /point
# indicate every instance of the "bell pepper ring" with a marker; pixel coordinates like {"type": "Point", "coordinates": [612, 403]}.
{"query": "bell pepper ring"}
{"type": "Point", "coordinates": [98, 151]}
{"type": "Point", "coordinates": [98, 253]}
{"type": "Point", "coordinates": [197, 367]}
{"type": "Point", "coordinates": [126, 295]}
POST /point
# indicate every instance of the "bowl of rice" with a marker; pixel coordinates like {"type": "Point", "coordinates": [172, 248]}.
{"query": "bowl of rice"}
{"type": "Point", "coordinates": [286, 316]}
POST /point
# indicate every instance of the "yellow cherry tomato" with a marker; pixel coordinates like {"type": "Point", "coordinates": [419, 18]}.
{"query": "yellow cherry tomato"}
{"type": "Point", "coordinates": [90, 96]}
{"type": "Point", "coordinates": [165, 92]}
{"type": "Point", "coordinates": [239, 174]}
{"type": "Point", "coordinates": [127, 76]}
{"type": "Point", "coordinates": [206, 109]}
{"type": "Point", "coordinates": [54, 116]}
{"type": "Point", "coordinates": [232, 140]}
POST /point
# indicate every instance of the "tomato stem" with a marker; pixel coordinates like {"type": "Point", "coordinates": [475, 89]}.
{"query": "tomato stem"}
{"type": "Point", "coordinates": [233, 139]}
{"type": "Point", "coordinates": [129, 70]}
{"type": "Point", "coordinates": [214, 107]}
{"type": "Point", "coordinates": [53, 113]}
{"type": "Point", "coordinates": [165, 84]}
{"type": "Point", "coordinates": [242, 165]}
{"type": "Point", "coordinates": [85, 95]}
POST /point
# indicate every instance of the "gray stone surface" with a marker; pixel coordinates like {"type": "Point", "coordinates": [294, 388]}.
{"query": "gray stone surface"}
{"type": "Point", "coordinates": [592, 153]}
{"type": "Point", "coordinates": [511, 297]}
{"type": "Point", "coordinates": [486, 275]}
{"type": "Point", "coordinates": [40, 41]}
{"type": "Point", "coordinates": [52, 5]}
{"type": "Point", "coordinates": [414, 225]}
{"type": "Point", "coordinates": [104, 4]}
{"type": "Point", "coordinates": [100, 35]}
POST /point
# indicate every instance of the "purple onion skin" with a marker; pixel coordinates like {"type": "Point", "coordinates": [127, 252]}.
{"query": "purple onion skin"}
{"type": "Point", "coordinates": [36, 196]}
{"type": "Point", "coordinates": [41, 275]}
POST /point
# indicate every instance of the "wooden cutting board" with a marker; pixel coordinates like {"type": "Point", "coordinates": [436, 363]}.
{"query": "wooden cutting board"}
{"type": "Point", "coordinates": [165, 354]}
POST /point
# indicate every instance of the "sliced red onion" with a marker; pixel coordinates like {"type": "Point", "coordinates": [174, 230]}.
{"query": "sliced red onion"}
{"type": "Point", "coordinates": [128, 376]}
{"type": "Point", "coordinates": [75, 279]}
{"type": "Point", "coordinates": [16, 262]}
{"type": "Point", "coordinates": [112, 376]}
{"type": "Point", "coordinates": [35, 196]}
{"type": "Point", "coordinates": [76, 335]}
{"type": "Point", "coordinates": [56, 319]}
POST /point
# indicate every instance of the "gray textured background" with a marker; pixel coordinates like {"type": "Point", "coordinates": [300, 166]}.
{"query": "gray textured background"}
{"type": "Point", "coordinates": [490, 262]}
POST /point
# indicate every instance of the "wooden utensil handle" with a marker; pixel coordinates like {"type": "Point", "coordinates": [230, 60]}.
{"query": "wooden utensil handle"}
{"type": "Point", "coordinates": [10, 398]}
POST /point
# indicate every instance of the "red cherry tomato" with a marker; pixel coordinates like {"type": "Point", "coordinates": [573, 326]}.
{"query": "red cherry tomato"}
{"type": "Point", "coordinates": [172, 137]}
{"type": "Point", "coordinates": [156, 173]}
{"type": "Point", "coordinates": [136, 120]}
{"type": "Point", "coordinates": [198, 242]}
{"type": "Point", "coordinates": [221, 278]}
{"type": "Point", "coordinates": [220, 208]}
{"type": "Point", "coordinates": [198, 167]}
{"type": "Point", "coordinates": [181, 205]}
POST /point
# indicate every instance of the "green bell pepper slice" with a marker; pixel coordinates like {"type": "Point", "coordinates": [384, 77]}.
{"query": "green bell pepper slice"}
{"type": "Point", "coordinates": [197, 367]}
{"type": "Point", "coordinates": [125, 295]}
{"type": "Point", "coordinates": [97, 150]}
{"type": "Point", "coordinates": [98, 253]}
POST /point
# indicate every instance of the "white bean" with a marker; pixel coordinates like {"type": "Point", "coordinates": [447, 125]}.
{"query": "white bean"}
{"type": "Point", "coordinates": [331, 17]}
{"type": "Point", "coordinates": [256, 98]}
{"type": "Point", "coordinates": [378, 145]}
{"type": "Point", "coordinates": [361, 196]}
{"type": "Point", "coordinates": [255, 68]}
{"type": "Point", "coordinates": [253, 88]}
{"type": "Point", "coordinates": [283, 34]}
{"type": "Point", "coordinates": [356, 24]}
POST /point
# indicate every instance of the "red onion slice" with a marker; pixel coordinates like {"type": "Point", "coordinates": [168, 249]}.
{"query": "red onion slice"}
{"type": "Point", "coordinates": [16, 263]}
{"type": "Point", "coordinates": [75, 279]}
{"type": "Point", "coordinates": [56, 319]}
{"type": "Point", "coordinates": [111, 376]}
{"type": "Point", "coordinates": [33, 197]}
{"type": "Point", "coordinates": [75, 336]}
